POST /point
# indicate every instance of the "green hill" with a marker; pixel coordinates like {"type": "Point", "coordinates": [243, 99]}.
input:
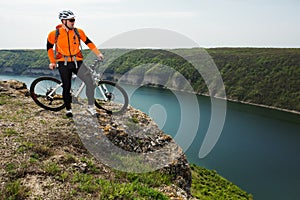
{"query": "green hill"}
{"type": "Point", "coordinates": [267, 76]}
{"type": "Point", "coordinates": [263, 76]}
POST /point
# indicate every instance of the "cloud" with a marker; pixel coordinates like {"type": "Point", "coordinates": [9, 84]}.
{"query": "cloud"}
{"type": "Point", "coordinates": [58, 2]}
{"type": "Point", "coordinates": [161, 14]}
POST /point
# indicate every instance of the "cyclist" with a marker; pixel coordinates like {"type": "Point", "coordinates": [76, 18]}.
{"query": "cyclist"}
{"type": "Point", "coordinates": [67, 56]}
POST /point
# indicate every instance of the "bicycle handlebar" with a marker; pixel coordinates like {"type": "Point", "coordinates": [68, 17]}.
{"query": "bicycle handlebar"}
{"type": "Point", "coordinates": [96, 62]}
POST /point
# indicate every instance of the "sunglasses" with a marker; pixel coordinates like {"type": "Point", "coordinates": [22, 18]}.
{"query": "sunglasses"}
{"type": "Point", "coordinates": [71, 20]}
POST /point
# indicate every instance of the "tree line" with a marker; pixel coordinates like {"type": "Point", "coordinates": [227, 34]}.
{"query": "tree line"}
{"type": "Point", "coordinates": [268, 76]}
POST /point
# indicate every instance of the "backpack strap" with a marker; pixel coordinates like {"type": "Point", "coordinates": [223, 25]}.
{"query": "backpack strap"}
{"type": "Point", "coordinates": [56, 38]}
{"type": "Point", "coordinates": [78, 35]}
{"type": "Point", "coordinates": [55, 43]}
{"type": "Point", "coordinates": [77, 32]}
{"type": "Point", "coordinates": [56, 35]}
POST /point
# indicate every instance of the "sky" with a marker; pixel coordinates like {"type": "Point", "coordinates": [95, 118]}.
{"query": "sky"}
{"type": "Point", "coordinates": [210, 23]}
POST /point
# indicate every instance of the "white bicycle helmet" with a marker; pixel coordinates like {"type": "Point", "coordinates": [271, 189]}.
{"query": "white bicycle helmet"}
{"type": "Point", "coordinates": [66, 14]}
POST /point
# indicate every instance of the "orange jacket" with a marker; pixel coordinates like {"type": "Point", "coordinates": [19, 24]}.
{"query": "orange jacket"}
{"type": "Point", "coordinates": [67, 45]}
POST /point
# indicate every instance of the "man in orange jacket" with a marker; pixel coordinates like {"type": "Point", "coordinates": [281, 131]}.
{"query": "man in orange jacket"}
{"type": "Point", "coordinates": [69, 59]}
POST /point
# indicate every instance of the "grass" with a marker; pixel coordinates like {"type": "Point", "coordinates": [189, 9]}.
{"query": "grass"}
{"type": "Point", "coordinates": [208, 185]}
{"type": "Point", "coordinates": [14, 191]}
{"type": "Point", "coordinates": [135, 119]}
{"type": "Point", "coordinates": [151, 179]}
{"type": "Point", "coordinates": [85, 184]}
{"type": "Point", "coordinates": [10, 132]}
{"type": "Point", "coordinates": [25, 146]}
{"type": "Point", "coordinates": [11, 168]}
{"type": "Point", "coordinates": [42, 150]}
{"type": "Point", "coordinates": [106, 189]}
{"type": "Point", "coordinates": [92, 166]}
{"type": "Point", "coordinates": [3, 99]}
{"type": "Point", "coordinates": [52, 168]}
{"type": "Point", "coordinates": [64, 176]}
{"type": "Point", "coordinates": [122, 186]}
{"type": "Point", "coordinates": [15, 106]}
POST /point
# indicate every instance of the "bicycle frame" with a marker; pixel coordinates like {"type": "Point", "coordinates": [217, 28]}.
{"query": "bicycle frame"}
{"type": "Point", "coordinates": [54, 90]}
{"type": "Point", "coordinates": [76, 94]}
{"type": "Point", "coordinates": [47, 93]}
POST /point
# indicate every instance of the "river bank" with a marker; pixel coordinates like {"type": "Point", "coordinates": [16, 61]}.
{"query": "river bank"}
{"type": "Point", "coordinates": [265, 106]}
{"type": "Point", "coordinates": [12, 76]}
{"type": "Point", "coordinates": [235, 101]}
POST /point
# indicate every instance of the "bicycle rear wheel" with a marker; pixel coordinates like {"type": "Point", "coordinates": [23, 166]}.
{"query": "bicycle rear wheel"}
{"type": "Point", "coordinates": [110, 97]}
{"type": "Point", "coordinates": [47, 93]}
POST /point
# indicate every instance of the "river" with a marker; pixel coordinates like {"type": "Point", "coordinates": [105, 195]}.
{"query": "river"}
{"type": "Point", "coordinates": [258, 149]}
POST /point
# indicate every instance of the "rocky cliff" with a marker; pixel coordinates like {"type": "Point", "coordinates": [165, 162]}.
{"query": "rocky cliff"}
{"type": "Point", "coordinates": [43, 155]}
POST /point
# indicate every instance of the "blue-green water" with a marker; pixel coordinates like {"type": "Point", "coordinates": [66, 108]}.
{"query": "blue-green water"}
{"type": "Point", "coordinates": [258, 149]}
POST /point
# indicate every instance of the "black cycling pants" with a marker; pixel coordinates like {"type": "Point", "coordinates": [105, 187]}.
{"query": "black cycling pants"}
{"type": "Point", "coordinates": [66, 76]}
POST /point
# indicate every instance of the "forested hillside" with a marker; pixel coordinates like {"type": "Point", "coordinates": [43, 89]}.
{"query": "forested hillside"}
{"type": "Point", "coordinates": [264, 76]}
{"type": "Point", "coordinates": [267, 76]}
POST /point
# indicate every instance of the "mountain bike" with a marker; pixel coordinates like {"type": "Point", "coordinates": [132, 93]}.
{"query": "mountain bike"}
{"type": "Point", "coordinates": [109, 96]}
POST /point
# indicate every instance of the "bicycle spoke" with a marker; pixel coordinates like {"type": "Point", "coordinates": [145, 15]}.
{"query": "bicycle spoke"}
{"type": "Point", "coordinates": [111, 97]}
{"type": "Point", "coordinates": [46, 93]}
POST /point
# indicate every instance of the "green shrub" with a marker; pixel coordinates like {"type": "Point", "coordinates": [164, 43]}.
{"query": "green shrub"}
{"type": "Point", "coordinates": [14, 191]}
{"type": "Point", "coordinates": [208, 185]}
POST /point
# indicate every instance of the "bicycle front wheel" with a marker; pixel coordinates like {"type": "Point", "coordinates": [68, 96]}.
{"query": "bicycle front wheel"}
{"type": "Point", "coordinates": [110, 97]}
{"type": "Point", "coordinates": [47, 93]}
